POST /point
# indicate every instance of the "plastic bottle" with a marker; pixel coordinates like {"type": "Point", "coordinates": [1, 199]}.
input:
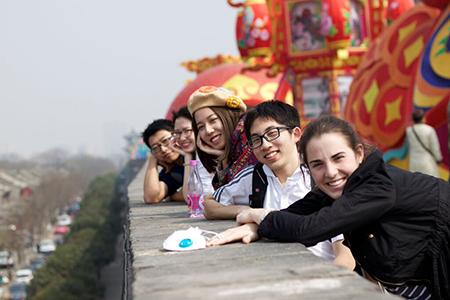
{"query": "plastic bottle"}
{"type": "Point", "coordinates": [195, 192]}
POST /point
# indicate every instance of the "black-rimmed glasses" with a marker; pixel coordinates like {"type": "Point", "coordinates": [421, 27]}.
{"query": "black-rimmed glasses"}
{"type": "Point", "coordinates": [270, 135]}
{"type": "Point", "coordinates": [165, 142]}
{"type": "Point", "coordinates": [178, 133]}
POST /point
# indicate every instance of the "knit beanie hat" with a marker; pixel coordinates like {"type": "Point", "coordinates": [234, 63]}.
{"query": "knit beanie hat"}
{"type": "Point", "coordinates": [208, 96]}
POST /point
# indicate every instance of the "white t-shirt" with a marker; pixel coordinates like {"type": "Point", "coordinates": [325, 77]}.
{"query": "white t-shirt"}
{"type": "Point", "coordinates": [278, 196]}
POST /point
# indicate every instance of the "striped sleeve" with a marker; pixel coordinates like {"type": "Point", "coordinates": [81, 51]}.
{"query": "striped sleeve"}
{"type": "Point", "coordinates": [236, 192]}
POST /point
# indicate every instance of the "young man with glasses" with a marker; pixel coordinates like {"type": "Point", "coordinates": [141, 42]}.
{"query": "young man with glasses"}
{"type": "Point", "coordinates": [273, 131]}
{"type": "Point", "coordinates": [160, 185]}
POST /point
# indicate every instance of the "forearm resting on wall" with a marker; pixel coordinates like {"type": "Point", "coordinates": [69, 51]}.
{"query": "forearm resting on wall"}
{"type": "Point", "coordinates": [217, 211]}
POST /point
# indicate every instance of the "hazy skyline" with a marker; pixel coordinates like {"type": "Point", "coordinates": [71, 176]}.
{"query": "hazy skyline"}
{"type": "Point", "coordinates": [79, 74]}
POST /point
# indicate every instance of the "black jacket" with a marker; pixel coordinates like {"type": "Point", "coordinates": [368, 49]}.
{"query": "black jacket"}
{"type": "Point", "coordinates": [396, 223]}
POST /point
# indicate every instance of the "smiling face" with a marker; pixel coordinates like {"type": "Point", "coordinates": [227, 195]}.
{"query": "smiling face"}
{"type": "Point", "coordinates": [184, 135]}
{"type": "Point", "coordinates": [210, 128]}
{"type": "Point", "coordinates": [280, 153]}
{"type": "Point", "coordinates": [331, 161]}
{"type": "Point", "coordinates": [161, 141]}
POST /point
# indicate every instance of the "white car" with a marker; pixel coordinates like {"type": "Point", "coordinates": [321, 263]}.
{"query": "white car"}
{"type": "Point", "coordinates": [64, 220]}
{"type": "Point", "coordinates": [24, 275]}
{"type": "Point", "coordinates": [6, 261]}
{"type": "Point", "coordinates": [47, 246]}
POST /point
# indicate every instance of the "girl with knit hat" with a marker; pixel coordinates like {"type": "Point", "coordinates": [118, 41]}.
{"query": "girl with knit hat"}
{"type": "Point", "coordinates": [219, 127]}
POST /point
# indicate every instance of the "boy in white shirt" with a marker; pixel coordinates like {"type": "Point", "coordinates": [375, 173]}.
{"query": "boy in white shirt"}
{"type": "Point", "coordinates": [273, 131]}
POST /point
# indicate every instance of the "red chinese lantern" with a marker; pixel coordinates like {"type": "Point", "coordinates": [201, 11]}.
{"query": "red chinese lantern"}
{"type": "Point", "coordinates": [253, 31]}
{"type": "Point", "coordinates": [336, 23]}
{"type": "Point", "coordinates": [397, 7]}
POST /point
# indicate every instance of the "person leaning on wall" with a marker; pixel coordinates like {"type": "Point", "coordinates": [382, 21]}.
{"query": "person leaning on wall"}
{"type": "Point", "coordinates": [218, 123]}
{"type": "Point", "coordinates": [159, 185]}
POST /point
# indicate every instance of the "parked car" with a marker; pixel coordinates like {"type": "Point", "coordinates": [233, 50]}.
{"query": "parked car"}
{"type": "Point", "coordinates": [6, 260]}
{"type": "Point", "coordinates": [24, 275]}
{"type": "Point", "coordinates": [73, 208]}
{"type": "Point", "coordinates": [17, 291]}
{"type": "Point", "coordinates": [3, 279]}
{"type": "Point", "coordinates": [46, 247]}
{"type": "Point", "coordinates": [63, 230]}
{"type": "Point", "coordinates": [63, 220]}
{"type": "Point", "coordinates": [37, 262]}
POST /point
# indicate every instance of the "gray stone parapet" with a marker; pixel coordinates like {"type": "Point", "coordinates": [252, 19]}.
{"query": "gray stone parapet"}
{"type": "Point", "coordinates": [261, 270]}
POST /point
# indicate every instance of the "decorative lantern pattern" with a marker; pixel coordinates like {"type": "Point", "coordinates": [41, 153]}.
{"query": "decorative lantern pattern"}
{"type": "Point", "coordinates": [375, 16]}
{"type": "Point", "coordinates": [406, 68]}
{"type": "Point", "coordinates": [310, 41]}
{"type": "Point", "coordinates": [253, 33]}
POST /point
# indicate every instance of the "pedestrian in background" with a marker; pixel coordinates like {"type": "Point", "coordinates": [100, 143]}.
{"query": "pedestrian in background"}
{"type": "Point", "coordinates": [424, 150]}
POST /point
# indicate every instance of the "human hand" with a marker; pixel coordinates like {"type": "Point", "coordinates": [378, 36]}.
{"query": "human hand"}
{"type": "Point", "coordinates": [252, 215]}
{"type": "Point", "coordinates": [175, 147]}
{"type": "Point", "coordinates": [208, 149]}
{"type": "Point", "coordinates": [246, 233]}
{"type": "Point", "coordinates": [152, 161]}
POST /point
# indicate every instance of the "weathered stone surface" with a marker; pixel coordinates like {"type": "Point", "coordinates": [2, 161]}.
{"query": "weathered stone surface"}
{"type": "Point", "coordinates": [262, 270]}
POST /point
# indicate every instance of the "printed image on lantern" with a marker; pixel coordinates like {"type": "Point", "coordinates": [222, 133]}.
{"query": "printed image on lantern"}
{"type": "Point", "coordinates": [320, 43]}
{"type": "Point", "coordinates": [316, 97]}
{"type": "Point", "coordinates": [305, 20]}
{"type": "Point", "coordinates": [357, 25]}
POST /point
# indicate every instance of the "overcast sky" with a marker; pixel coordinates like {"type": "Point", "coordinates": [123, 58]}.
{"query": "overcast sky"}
{"type": "Point", "coordinates": [79, 74]}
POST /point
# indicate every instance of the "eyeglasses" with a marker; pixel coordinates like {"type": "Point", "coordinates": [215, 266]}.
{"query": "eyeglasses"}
{"type": "Point", "coordinates": [271, 134]}
{"type": "Point", "coordinates": [165, 142]}
{"type": "Point", "coordinates": [178, 133]}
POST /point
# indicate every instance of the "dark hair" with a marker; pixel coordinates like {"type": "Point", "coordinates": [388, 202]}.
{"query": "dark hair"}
{"type": "Point", "coordinates": [276, 110]}
{"type": "Point", "coordinates": [330, 124]}
{"type": "Point", "coordinates": [417, 116]}
{"type": "Point", "coordinates": [154, 127]}
{"type": "Point", "coordinates": [183, 112]}
{"type": "Point", "coordinates": [230, 119]}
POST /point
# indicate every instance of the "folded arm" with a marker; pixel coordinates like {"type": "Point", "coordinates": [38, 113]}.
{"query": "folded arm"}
{"type": "Point", "coordinates": [354, 209]}
{"type": "Point", "coordinates": [154, 190]}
